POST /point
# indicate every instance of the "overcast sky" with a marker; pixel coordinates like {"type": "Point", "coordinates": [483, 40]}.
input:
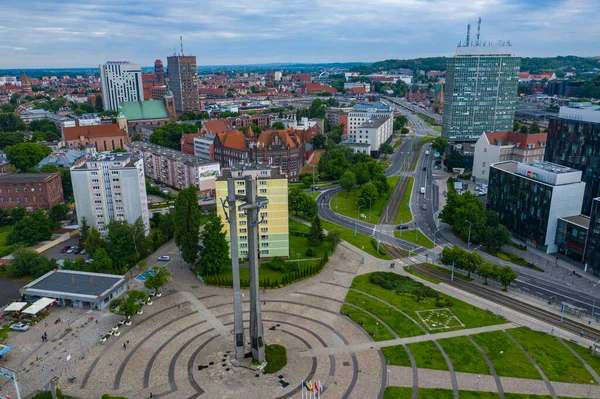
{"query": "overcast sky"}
{"type": "Point", "coordinates": [84, 33]}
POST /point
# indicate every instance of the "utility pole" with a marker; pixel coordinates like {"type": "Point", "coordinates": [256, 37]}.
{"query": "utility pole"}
{"type": "Point", "coordinates": [469, 239]}
{"type": "Point", "coordinates": [238, 323]}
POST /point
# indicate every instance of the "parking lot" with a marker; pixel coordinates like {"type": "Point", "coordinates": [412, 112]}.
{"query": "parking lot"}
{"type": "Point", "coordinates": [55, 253]}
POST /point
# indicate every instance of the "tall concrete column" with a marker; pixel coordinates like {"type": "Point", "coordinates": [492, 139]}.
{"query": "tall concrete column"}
{"type": "Point", "coordinates": [238, 323]}
{"type": "Point", "coordinates": [257, 342]}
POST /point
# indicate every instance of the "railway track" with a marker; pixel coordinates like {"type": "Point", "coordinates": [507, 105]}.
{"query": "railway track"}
{"type": "Point", "coordinates": [511, 303]}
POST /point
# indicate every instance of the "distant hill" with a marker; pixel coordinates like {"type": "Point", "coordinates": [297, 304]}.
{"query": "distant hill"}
{"type": "Point", "coordinates": [533, 65]}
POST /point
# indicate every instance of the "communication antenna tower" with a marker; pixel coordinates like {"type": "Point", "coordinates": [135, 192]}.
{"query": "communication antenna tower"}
{"type": "Point", "coordinates": [478, 30]}
{"type": "Point", "coordinates": [468, 34]}
{"type": "Point", "coordinates": [181, 44]}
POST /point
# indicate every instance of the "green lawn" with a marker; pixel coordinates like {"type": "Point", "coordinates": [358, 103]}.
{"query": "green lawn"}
{"type": "Point", "coordinates": [428, 356]}
{"type": "Point", "coordinates": [368, 323]}
{"type": "Point", "coordinates": [415, 236]}
{"type": "Point", "coordinates": [397, 321]}
{"type": "Point", "coordinates": [276, 358]}
{"type": "Point", "coordinates": [464, 356]}
{"type": "Point", "coordinates": [438, 393]}
{"type": "Point", "coordinates": [397, 144]}
{"type": "Point", "coordinates": [396, 355]}
{"type": "Point", "coordinates": [300, 245]}
{"type": "Point", "coordinates": [398, 392]}
{"type": "Point", "coordinates": [468, 314]}
{"type": "Point", "coordinates": [508, 359]}
{"type": "Point", "coordinates": [509, 257]}
{"type": "Point", "coordinates": [586, 354]}
{"type": "Point", "coordinates": [555, 360]}
{"type": "Point", "coordinates": [346, 203]}
{"type": "Point", "coordinates": [404, 214]}
{"type": "Point", "coordinates": [298, 227]}
{"type": "Point", "coordinates": [477, 395]}
{"type": "Point", "coordinates": [361, 241]}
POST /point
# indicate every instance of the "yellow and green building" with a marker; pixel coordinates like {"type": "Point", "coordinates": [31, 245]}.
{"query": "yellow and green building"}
{"type": "Point", "coordinates": [273, 232]}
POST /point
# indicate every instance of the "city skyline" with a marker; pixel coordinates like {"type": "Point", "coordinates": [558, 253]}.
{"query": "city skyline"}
{"type": "Point", "coordinates": [62, 34]}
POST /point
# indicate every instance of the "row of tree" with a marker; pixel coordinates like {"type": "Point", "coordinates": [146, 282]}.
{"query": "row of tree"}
{"type": "Point", "coordinates": [169, 135]}
{"type": "Point", "coordinates": [472, 262]}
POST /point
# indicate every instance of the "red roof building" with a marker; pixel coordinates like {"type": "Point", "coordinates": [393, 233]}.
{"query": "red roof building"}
{"type": "Point", "coordinates": [106, 137]}
{"type": "Point", "coordinates": [316, 88]}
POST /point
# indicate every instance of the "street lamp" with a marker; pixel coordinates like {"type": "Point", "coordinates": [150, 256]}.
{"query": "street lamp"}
{"type": "Point", "coordinates": [590, 389]}
{"type": "Point", "coordinates": [357, 218]}
{"type": "Point", "coordinates": [433, 250]}
{"type": "Point", "coordinates": [469, 239]}
{"type": "Point", "coordinates": [298, 260]}
{"type": "Point", "coordinates": [409, 251]}
{"type": "Point", "coordinates": [594, 303]}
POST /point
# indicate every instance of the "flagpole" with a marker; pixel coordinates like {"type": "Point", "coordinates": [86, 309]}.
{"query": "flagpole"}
{"type": "Point", "coordinates": [302, 389]}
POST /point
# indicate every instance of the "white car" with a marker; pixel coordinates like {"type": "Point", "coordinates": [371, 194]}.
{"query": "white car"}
{"type": "Point", "coordinates": [164, 257]}
{"type": "Point", "coordinates": [19, 327]}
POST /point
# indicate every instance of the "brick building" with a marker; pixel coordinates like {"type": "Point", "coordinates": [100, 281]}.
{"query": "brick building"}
{"type": "Point", "coordinates": [32, 190]}
{"type": "Point", "coordinates": [105, 137]}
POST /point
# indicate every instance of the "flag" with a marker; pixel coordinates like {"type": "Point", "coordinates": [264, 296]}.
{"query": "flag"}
{"type": "Point", "coordinates": [305, 385]}
{"type": "Point", "coordinates": [316, 386]}
{"type": "Point", "coordinates": [308, 387]}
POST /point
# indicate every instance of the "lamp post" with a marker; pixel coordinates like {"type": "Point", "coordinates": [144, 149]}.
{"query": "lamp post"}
{"type": "Point", "coordinates": [590, 389]}
{"type": "Point", "coordinates": [433, 250]}
{"type": "Point", "coordinates": [357, 218]}
{"type": "Point", "coordinates": [409, 251]}
{"type": "Point", "coordinates": [298, 260]}
{"type": "Point", "coordinates": [594, 302]}
{"type": "Point", "coordinates": [469, 239]}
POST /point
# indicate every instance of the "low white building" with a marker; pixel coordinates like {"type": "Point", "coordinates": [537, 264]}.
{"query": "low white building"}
{"type": "Point", "coordinates": [370, 124]}
{"type": "Point", "coordinates": [110, 186]}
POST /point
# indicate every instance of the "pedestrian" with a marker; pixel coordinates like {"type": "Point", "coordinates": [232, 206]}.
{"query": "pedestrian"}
{"type": "Point", "coordinates": [151, 396]}
{"type": "Point", "coordinates": [552, 332]}
{"type": "Point", "coordinates": [127, 342]}
{"type": "Point", "coordinates": [124, 346]}
{"type": "Point", "coordinates": [43, 338]}
{"type": "Point", "coordinates": [590, 321]}
{"type": "Point", "coordinates": [45, 324]}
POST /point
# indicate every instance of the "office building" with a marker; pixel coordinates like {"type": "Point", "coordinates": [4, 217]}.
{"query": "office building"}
{"type": "Point", "coordinates": [120, 81]}
{"type": "Point", "coordinates": [273, 231]}
{"type": "Point", "coordinates": [110, 186]}
{"type": "Point", "coordinates": [183, 82]}
{"type": "Point", "coordinates": [369, 126]}
{"type": "Point", "coordinates": [159, 73]}
{"type": "Point", "coordinates": [573, 142]}
{"type": "Point", "coordinates": [31, 190]}
{"type": "Point", "coordinates": [530, 198]}
{"type": "Point", "coordinates": [591, 260]}
{"type": "Point", "coordinates": [175, 168]}
{"type": "Point", "coordinates": [480, 92]}
{"type": "Point", "coordinates": [495, 147]}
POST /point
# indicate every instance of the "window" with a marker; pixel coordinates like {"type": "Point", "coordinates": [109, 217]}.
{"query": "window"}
{"type": "Point", "coordinates": [244, 252]}
{"type": "Point", "coordinates": [485, 150]}
{"type": "Point", "coordinates": [264, 251]}
{"type": "Point", "coordinates": [262, 182]}
{"type": "Point", "coordinates": [263, 214]}
{"type": "Point", "coordinates": [244, 245]}
{"type": "Point", "coordinates": [244, 238]}
{"type": "Point", "coordinates": [264, 244]}
{"type": "Point", "coordinates": [264, 229]}
{"type": "Point", "coordinates": [264, 237]}
{"type": "Point", "coordinates": [243, 231]}
{"type": "Point", "coordinates": [263, 190]}
{"type": "Point", "coordinates": [242, 222]}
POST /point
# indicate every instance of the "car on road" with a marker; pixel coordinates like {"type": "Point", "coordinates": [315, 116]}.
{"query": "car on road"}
{"type": "Point", "coordinates": [422, 190]}
{"type": "Point", "coordinates": [72, 249]}
{"type": "Point", "coordinates": [427, 152]}
{"type": "Point", "coordinates": [402, 227]}
{"type": "Point", "coordinates": [19, 327]}
{"type": "Point", "coordinates": [165, 191]}
{"type": "Point", "coordinates": [89, 261]}
{"type": "Point", "coordinates": [424, 167]}
{"type": "Point", "coordinates": [424, 207]}
{"type": "Point", "coordinates": [164, 257]}
{"type": "Point", "coordinates": [65, 249]}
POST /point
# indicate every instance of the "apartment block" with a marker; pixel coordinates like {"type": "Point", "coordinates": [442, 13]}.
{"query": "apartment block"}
{"type": "Point", "coordinates": [120, 81]}
{"type": "Point", "coordinates": [369, 126]}
{"type": "Point", "coordinates": [175, 168]}
{"type": "Point", "coordinates": [110, 186]}
{"type": "Point", "coordinates": [273, 231]}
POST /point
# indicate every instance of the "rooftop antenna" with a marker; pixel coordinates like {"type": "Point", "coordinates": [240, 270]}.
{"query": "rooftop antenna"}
{"type": "Point", "coordinates": [468, 34]}
{"type": "Point", "coordinates": [478, 30]}
{"type": "Point", "coordinates": [181, 43]}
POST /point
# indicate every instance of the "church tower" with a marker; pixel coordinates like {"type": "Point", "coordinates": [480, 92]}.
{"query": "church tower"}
{"type": "Point", "coordinates": [122, 121]}
{"type": "Point", "coordinates": [170, 104]}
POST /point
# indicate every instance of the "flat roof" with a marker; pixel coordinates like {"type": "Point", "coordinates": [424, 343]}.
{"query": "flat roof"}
{"type": "Point", "coordinates": [579, 220]}
{"type": "Point", "coordinates": [509, 166]}
{"type": "Point", "coordinates": [275, 172]}
{"type": "Point", "coordinates": [26, 178]}
{"type": "Point", "coordinates": [170, 153]}
{"type": "Point", "coordinates": [74, 282]}
{"type": "Point", "coordinates": [375, 122]}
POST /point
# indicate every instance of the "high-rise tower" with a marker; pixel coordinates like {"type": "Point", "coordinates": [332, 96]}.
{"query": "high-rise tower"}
{"type": "Point", "coordinates": [480, 91]}
{"type": "Point", "coordinates": [159, 73]}
{"type": "Point", "coordinates": [183, 82]}
{"type": "Point", "coordinates": [121, 81]}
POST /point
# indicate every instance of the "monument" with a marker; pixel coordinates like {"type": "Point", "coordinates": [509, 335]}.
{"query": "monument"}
{"type": "Point", "coordinates": [250, 204]}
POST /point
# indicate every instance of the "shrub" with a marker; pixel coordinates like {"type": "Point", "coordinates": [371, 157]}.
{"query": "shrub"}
{"type": "Point", "coordinates": [311, 252]}
{"type": "Point", "coordinates": [277, 264]}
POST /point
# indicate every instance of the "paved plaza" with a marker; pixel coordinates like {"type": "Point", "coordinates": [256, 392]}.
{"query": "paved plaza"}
{"type": "Point", "coordinates": [181, 346]}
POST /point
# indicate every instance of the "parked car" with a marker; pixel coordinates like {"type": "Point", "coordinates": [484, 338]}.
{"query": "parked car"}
{"type": "Point", "coordinates": [402, 227]}
{"type": "Point", "coordinates": [19, 327]}
{"type": "Point", "coordinates": [65, 249]}
{"type": "Point", "coordinates": [77, 250]}
{"type": "Point", "coordinates": [89, 261]}
{"type": "Point", "coordinates": [424, 167]}
{"type": "Point", "coordinates": [82, 252]}
{"type": "Point", "coordinates": [72, 249]}
{"type": "Point", "coordinates": [207, 199]}
{"type": "Point", "coordinates": [424, 207]}
{"type": "Point", "coordinates": [164, 257]}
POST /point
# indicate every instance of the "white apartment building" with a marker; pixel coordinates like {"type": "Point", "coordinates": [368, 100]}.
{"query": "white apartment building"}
{"type": "Point", "coordinates": [502, 146]}
{"type": "Point", "coordinates": [203, 146]}
{"type": "Point", "coordinates": [121, 81]}
{"type": "Point", "coordinates": [369, 126]}
{"type": "Point", "coordinates": [110, 186]}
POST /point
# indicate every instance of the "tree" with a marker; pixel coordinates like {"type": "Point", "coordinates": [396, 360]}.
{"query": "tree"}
{"type": "Point", "coordinates": [386, 149]}
{"type": "Point", "coordinates": [159, 278]}
{"type": "Point", "coordinates": [24, 156]}
{"type": "Point", "coordinates": [319, 141]}
{"type": "Point", "coordinates": [214, 256]}
{"type": "Point", "coordinates": [23, 263]}
{"type": "Point", "coordinates": [101, 262]}
{"type": "Point", "coordinates": [118, 149]}
{"type": "Point", "coordinates": [186, 219]}
{"type": "Point", "coordinates": [9, 139]}
{"type": "Point", "coordinates": [368, 194]}
{"type": "Point", "coordinates": [524, 129]}
{"type": "Point", "coordinates": [59, 212]}
{"type": "Point", "coordinates": [169, 135]}
{"type": "Point", "coordinates": [11, 123]}
{"type": "Point", "coordinates": [278, 125]}
{"type": "Point", "coordinates": [307, 181]}
{"type": "Point", "coordinates": [127, 243]}
{"type": "Point", "coordinates": [361, 171]}
{"type": "Point", "coordinates": [31, 229]}
{"type": "Point", "coordinates": [487, 270]}
{"type": "Point", "coordinates": [454, 160]}
{"type": "Point", "coordinates": [98, 103]}
{"type": "Point", "coordinates": [496, 236]}
{"type": "Point", "coordinates": [516, 126]}
{"type": "Point", "coordinates": [440, 144]}
{"type": "Point", "coordinates": [315, 234]}
{"type": "Point", "coordinates": [17, 213]}
{"type": "Point", "coordinates": [472, 262]}
{"type": "Point", "coordinates": [505, 276]}
{"type": "Point", "coordinates": [165, 225]}
{"type": "Point", "coordinates": [404, 131]}
{"type": "Point", "coordinates": [67, 184]}
{"type": "Point", "coordinates": [129, 304]}
{"type": "Point", "coordinates": [347, 181]}
{"type": "Point", "coordinates": [48, 168]}
{"type": "Point", "coordinates": [334, 238]}
{"type": "Point", "coordinates": [534, 128]}
{"type": "Point", "coordinates": [84, 232]}
{"type": "Point", "coordinates": [93, 242]}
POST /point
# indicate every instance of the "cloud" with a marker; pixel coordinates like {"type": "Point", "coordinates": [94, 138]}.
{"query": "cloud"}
{"type": "Point", "coordinates": [86, 32]}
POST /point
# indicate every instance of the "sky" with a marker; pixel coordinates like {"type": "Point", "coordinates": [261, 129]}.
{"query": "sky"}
{"type": "Point", "coordinates": [85, 33]}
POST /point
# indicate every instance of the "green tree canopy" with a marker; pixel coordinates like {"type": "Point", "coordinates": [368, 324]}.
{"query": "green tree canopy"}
{"type": "Point", "coordinates": [11, 123]}
{"type": "Point", "coordinates": [158, 278]}
{"type": "Point", "coordinates": [505, 276]}
{"type": "Point", "coordinates": [128, 304]}
{"type": "Point", "coordinates": [59, 212]}
{"type": "Point", "coordinates": [170, 134]}
{"type": "Point", "coordinates": [214, 256]}
{"type": "Point", "coordinates": [440, 144]}
{"type": "Point", "coordinates": [319, 141]}
{"type": "Point", "coordinates": [94, 241]}
{"type": "Point", "coordinates": [25, 156]}
{"type": "Point", "coordinates": [347, 181]}
{"type": "Point", "coordinates": [29, 263]}
{"type": "Point", "coordinates": [315, 234]}
{"type": "Point", "coordinates": [186, 219]}
{"type": "Point", "coordinates": [101, 262]}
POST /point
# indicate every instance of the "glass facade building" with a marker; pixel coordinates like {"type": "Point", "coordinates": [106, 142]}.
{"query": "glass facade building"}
{"type": "Point", "coordinates": [481, 92]}
{"type": "Point", "coordinates": [529, 199]}
{"type": "Point", "coordinates": [571, 235]}
{"type": "Point", "coordinates": [591, 259]}
{"type": "Point", "coordinates": [574, 141]}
